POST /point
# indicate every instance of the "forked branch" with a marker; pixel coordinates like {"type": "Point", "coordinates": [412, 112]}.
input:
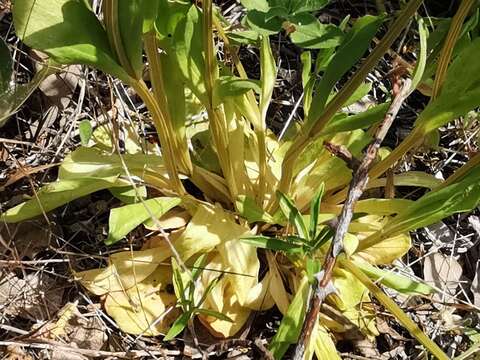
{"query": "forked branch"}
{"type": "Point", "coordinates": [323, 285]}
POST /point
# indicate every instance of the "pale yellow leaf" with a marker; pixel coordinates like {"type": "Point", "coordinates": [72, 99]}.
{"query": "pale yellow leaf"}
{"type": "Point", "coordinates": [277, 289]}
{"type": "Point", "coordinates": [323, 344]}
{"type": "Point", "coordinates": [386, 251]}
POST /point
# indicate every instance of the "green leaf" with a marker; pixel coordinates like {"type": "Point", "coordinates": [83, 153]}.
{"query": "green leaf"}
{"type": "Point", "coordinates": [67, 31]}
{"type": "Point", "coordinates": [310, 33]}
{"type": "Point", "coordinates": [234, 86]}
{"type": "Point", "coordinates": [438, 204]}
{"type": "Point", "coordinates": [460, 91]}
{"type": "Point", "coordinates": [85, 130]}
{"type": "Point", "coordinates": [395, 281]}
{"type": "Point", "coordinates": [214, 313]}
{"type": "Point", "coordinates": [268, 74]}
{"type": "Point", "coordinates": [248, 209]}
{"type": "Point", "coordinates": [269, 243]}
{"type": "Point", "coordinates": [128, 194]}
{"type": "Point", "coordinates": [315, 211]}
{"type": "Point", "coordinates": [261, 23]}
{"type": "Point", "coordinates": [260, 5]}
{"type": "Point", "coordinates": [312, 266]}
{"type": "Point", "coordinates": [179, 28]}
{"type": "Point", "coordinates": [56, 194]}
{"type": "Point", "coordinates": [132, 16]}
{"type": "Point", "coordinates": [300, 6]}
{"type": "Point", "coordinates": [292, 214]}
{"type": "Point", "coordinates": [198, 266]}
{"type": "Point", "coordinates": [247, 37]}
{"type": "Point", "coordinates": [422, 57]}
{"type": "Point", "coordinates": [362, 120]}
{"type": "Point", "coordinates": [291, 325]}
{"type": "Point", "coordinates": [5, 67]}
{"type": "Point", "coordinates": [178, 326]}
{"type": "Point", "coordinates": [353, 47]}
{"type": "Point", "coordinates": [126, 218]}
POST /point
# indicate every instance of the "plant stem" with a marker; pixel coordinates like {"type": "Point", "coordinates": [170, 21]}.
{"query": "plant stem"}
{"type": "Point", "coordinates": [322, 287]}
{"type": "Point", "coordinates": [344, 94]}
{"type": "Point", "coordinates": [391, 306]}
{"type": "Point", "coordinates": [168, 152]}
{"type": "Point", "coordinates": [218, 125]}
{"type": "Point", "coordinates": [183, 162]}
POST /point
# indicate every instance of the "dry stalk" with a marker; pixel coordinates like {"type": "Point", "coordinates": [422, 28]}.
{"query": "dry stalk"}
{"type": "Point", "coordinates": [323, 285]}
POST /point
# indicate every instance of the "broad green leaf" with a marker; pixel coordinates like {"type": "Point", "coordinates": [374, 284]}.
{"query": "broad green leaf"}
{"type": "Point", "coordinates": [56, 194]}
{"type": "Point", "coordinates": [291, 325]}
{"type": "Point", "coordinates": [353, 47]}
{"type": "Point", "coordinates": [179, 28]}
{"type": "Point", "coordinates": [126, 218]}
{"type": "Point", "coordinates": [248, 208]}
{"type": "Point", "coordinates": [300, 6]}
{"type": "Point", "coordinates": [67, 31]}
{"type": "Point", "coordinates": [260, 5]}
{"type": "Point", "coordinates": [85, 130]}
{"type": "Point", "coordinates": [135, 17]}
{"type": "Point", "coordinates": [247, 37]}
{"type": "Point", "coordinates": [315, 211]}
{"type": "Point", "coordinates": [235, 86]}
{"type": "Point", "coordinates": [359, 121]}
{"type": "Point", "coordinates": [129, 194]}
{"type": "Point", "coordinates": [310, 33]}
{"type": "Point", "coordinates": [292, 214]}
{"type": "Point", "coordinates": [269, 243]}
{"type": "Point", "coordinates": [5, 67]}
{"type": "Point", "coordinates": [394, 281]}
{"type": "Point", "coordinates": [308, 81]}
{"type": "Point", "coordinates": [260, 22]}
{"type": "Point", "coordinates": [460, 91]}
{"type": "Point", "coordinates": [178, 326]}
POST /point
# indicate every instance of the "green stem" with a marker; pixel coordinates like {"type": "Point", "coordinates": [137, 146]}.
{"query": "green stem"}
{"type": "Point", "coordinates": [391, 306]}
{"type": "Point", "coordinates": [156, 76]}
{"type": "Point", "coordinates": [168, 152]}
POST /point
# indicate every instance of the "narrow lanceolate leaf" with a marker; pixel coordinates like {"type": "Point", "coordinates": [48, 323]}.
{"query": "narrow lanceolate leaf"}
{"type": "Point", "coordinates": [352, 49]}
{"type": "Point", "coordinates": [315, 211]}
{"type": "Point", "coordinates": [178, 326]}
{"type": "Point", "coordinates": [126, 218]}
{"type": "Point", "coordinates": [54, 195]}
{"type": "Point", "coordinates": [394, 281]}
{"type": "Point", "coordinates": [213, 313]}
{"type": "Point", "coordinates": [248, 208]}
{"type": "Point", "coordinates": [265, 242]}
{"type": "Point", "coordinates": [292, 214]}
{"type": "Point", "coordinates": [291, 324]}
{"type": "Point", "coordinates": [67, 31]}
{"type": "Point", "coordinates": [267, 76]}
{"type": "Point", "coordinates": [422, 57]}
{"type": "Point", "coordinates": [461, 196]}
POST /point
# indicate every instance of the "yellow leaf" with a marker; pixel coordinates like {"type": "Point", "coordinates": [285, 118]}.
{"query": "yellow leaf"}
{"type": "Point", "coordinates": [324, 346]}
{"type": "Point", "coordinates": [350, 244]}
{"type": "Point", "coordinates": [277, 290]}
{"type": "Point", "coordinates": [146, 308]}
{"type": "Point", "coordinates": [260, 297]}
{"type": "Point", "coordinates": [125, 270]}
{"type": "Point", "coordinates": [350, 291]}
{"type": "Point", "coordinates": [386, 251]}
{"type": "Point", "coordinates": [364, 320]}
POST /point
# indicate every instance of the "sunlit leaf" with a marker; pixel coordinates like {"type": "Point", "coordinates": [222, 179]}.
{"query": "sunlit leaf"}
{"type": "Point", "coordinates": [248, 208]}
{"type": "Point", "coordinates": [53, 26]}
{"type": "Point", "coordinates": [124, 219]}
{"type": "Point", "coordinates": [177, 327]}
{"type": "Point", "coordinates": [56, 194]}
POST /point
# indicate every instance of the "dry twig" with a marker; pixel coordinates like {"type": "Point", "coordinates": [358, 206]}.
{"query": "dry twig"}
{"type": "Point", "coordinates": [323, 285]}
